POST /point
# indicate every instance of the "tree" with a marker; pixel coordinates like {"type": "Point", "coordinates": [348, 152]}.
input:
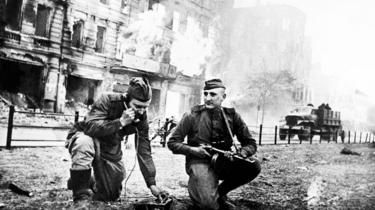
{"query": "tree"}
{"type": "Point", "coordinates": [266, 88]}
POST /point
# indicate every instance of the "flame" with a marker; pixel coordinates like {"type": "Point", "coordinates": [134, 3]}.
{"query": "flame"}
{"type": "Point", "coordinates": [144, 33]}
{"type": "Point", "coordinates": [191, 50]}
{"type": "Point", "coordinates": [146, 37]}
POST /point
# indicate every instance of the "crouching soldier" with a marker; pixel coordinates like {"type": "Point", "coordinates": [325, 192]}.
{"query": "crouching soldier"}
{"type": "Point", "coordinates": [95, 143]}
{"type": "Point", "coordinates": [209, 124]}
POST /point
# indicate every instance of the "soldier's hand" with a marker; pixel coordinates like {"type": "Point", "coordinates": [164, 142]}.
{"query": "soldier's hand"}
{"type": "Point", "coordinates": [160, 195]}
{"type": "Point", "coordinates": [245, 152]}
{"type": "Point", "coordinates": [199, 152]}
{"type": "Point", "coordinates": [229, 155]}
{"type": "Point", "coordinates": [127, 117]}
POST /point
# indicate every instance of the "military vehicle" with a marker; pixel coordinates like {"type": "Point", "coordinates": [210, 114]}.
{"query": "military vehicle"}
{"type": "Point", "coordinates": [306, 121]}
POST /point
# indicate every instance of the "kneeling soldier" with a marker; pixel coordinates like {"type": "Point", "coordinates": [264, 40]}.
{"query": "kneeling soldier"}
{"type": "Point", "coordinates": [209, 124]}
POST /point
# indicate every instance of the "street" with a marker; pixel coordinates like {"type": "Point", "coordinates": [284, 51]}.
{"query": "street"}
{"type": "Point", "coordinates": [293, 177]}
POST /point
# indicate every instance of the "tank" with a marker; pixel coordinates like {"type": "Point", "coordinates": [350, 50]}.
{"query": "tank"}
{"type": "Point", "coordinates": [306, 121]}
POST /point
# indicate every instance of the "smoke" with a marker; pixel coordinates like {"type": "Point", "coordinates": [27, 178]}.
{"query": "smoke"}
{"type": "Point", "coordinates": [191, 50]}
{"type": "Point", "coordinates": [259, 50]}
{"type": "Point", "coordinates": [147, 37]}
{"type": "Point", "coordinates": [144, 33]}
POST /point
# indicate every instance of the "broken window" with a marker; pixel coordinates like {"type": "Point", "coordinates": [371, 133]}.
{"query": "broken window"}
{"type": "Point", "coordinates": [124, 6]}
{"type": "Point", "coordinates": [124, 3]}
{"type": "Point", "coordinates": [77, 34]}
{"type": "Point", "coordinates": [82, 90]}
{"type": "Point", "coordinates": [21, 83]}
{"type": "Point", "coordinates": [169, 22]}
{"type": "Point", "coordinates": [13, 14]}
{"type": "Point", "coordinates": [42, 16]}
{"type": "Point", "coordinates": [151, 3]}
{"type": "Point", "coordinates": [176, 22]}
{"type": "Point", "coordinates": [91, 94]}
{"type": "Point", "coordinates": [99, 46]}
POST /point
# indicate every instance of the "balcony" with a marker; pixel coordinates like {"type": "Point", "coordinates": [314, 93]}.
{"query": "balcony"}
{"type": "Point", "coordinates": [42, 42]}
{"type": "Point", "coordinates": [147, 65]}
{"type": "Point", "coordinates": [16, 36]}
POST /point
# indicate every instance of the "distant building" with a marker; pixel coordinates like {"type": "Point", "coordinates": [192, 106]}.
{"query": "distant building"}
{"type": "Point", "coordinates": [268, 38]}
{"type": "Point", "coordinates": [55, 51]}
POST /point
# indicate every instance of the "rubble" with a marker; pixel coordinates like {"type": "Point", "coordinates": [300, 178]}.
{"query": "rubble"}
{"type": "Point", "coordinates": [16, 189]}
{"type": "Point", "coordinates": [35, 116]}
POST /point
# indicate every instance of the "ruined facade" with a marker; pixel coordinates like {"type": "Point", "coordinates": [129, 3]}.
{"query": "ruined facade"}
{"type": "Point", "coordinates": [55, 51]}
{"type": "Point", "coordinates": [30, 48]}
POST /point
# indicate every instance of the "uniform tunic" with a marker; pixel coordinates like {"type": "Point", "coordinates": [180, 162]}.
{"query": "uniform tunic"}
{"type": "Point", "coordinates": [204, 126]}
{"type": "Point", "coordinates": [97, 142]}
{"type": "Point", "coordinates": [207, 126]}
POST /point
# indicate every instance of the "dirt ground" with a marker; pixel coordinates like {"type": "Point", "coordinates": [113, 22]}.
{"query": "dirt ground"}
{"type": "Point", "coordinates": [293, 176]}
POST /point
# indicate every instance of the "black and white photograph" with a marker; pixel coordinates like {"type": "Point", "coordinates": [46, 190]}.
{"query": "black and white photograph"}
{"type": "Point", "coordinates": [187, 104]}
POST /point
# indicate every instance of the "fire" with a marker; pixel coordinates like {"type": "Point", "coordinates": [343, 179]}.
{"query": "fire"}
{"type": "Point", "coordinates": [144, 33]}
{"type": "Point", "coordinates": [191, 50]}
{"type": "Point", "coordinates": [147, 37]}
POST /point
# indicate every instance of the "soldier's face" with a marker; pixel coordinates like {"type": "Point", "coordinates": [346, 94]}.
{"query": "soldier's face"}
{"type": "Point", "coordinates": [139, 106]}
{"type": "Point", "coordinates": [214, 97]}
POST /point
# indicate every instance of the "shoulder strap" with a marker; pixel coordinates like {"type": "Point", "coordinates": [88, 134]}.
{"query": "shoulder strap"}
{"type": "Point", "coordinates": [228, 128]}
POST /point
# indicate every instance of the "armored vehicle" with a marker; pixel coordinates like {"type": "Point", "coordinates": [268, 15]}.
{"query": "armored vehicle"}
{"type": "Point", "coordinates": [306, 121]}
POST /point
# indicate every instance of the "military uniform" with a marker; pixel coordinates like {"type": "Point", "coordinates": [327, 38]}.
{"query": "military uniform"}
{"type": "Point", "coordinates": [96, 142]}
{"type": "Point", "coordinates": [207, 126]}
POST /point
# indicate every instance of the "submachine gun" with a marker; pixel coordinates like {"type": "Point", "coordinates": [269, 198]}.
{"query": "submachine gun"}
{"type": "Point", "coordinates": [228, 154]}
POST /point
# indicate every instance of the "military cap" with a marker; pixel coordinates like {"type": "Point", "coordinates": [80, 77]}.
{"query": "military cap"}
{"type": "Point", "coordinates": [213, 83]}
{"type": "Point", "coordinates": [140, 89]}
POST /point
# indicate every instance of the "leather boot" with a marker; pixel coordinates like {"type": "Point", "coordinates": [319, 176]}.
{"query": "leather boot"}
{"type": "Point", "coordinates": [80, 184]}
{"type": "Point", "coordinates": [92, 184]}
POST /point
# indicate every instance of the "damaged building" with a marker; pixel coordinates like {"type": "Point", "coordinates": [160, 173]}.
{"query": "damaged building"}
{"type": "Point", "coordinates": [59, 52]}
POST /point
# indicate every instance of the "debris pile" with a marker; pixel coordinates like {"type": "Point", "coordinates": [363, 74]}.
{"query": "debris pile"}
{"type": "Point", "coordinates": [27, 114]}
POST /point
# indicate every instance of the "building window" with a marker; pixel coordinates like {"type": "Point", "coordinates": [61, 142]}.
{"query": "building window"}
{"type": "Point", "coordinates": [77, 34]}
{"type": "Point", "coordinates": [13, 14]}
{"type": "Point", "coordinates": [176, 22]}
{"type": "Point", "coordinates": [41, 26]}
{"type": "Point", "coordinates": [151, 3]}
{"type": "Point", "coordinates": [124, 3]}
{"type": "Point", "coordinates": [125, 7]}
{"type": "Point", "coordinates": [169, 23]}
{"type": "Point", "coordinates": [99, 46]}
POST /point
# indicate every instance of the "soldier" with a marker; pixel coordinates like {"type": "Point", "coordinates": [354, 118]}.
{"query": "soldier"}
{"type": "Point", "coordinates": [205, 125]}
{"type": "Point", "coordinates": [96, 143]}
{"type": "Point", "coordinates": [169, 124]}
